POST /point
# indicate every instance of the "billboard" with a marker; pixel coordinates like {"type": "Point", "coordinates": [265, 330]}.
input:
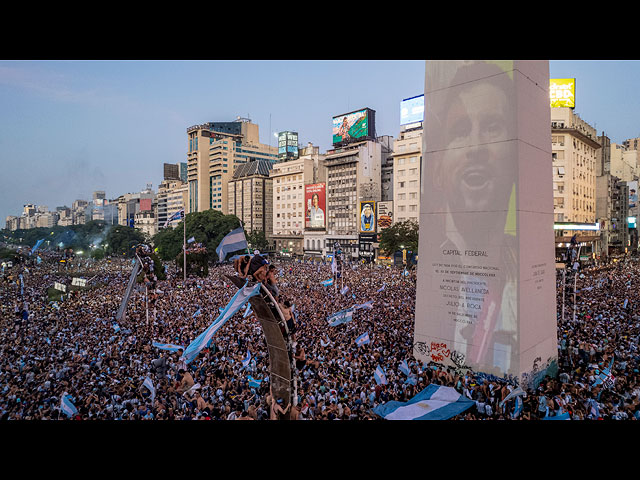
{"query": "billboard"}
{"type": "Point", "coordinates": [315, 201]}
{"type": "Point", "coordinates": [368, 217]}
{"type": "Point", "coordinates": [412, 110]}
{"type": "Point", "coordinates": [145, 204]}
{"type": "Point", "coordinates": [353, 126]}
{"type": "Point", "coordinates": [562, 92]}
{"type": "Point", "coordinates": [633, 193]}
{"type": "Point", "coordinates": [385, 215]}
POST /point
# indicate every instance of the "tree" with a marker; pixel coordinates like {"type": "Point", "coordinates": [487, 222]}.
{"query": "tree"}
{"type": "Point", "coordinates": [208, 228]}
{"type": "Point", "coordinates": [121, 239]}
{"type": "Point", "coordinates": [399, 235]}
{"type": "Point", "coordinates": [257, 239]}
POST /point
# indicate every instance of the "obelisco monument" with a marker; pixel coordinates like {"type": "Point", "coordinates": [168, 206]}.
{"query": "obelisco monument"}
{"type": "Point", "coordinates": [485, 295]}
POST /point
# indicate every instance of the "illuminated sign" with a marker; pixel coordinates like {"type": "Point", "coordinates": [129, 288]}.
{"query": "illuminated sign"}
{"type": "Point", "coordinates": [315, 199]}
{"type": "Point", "coordinates": [576, 226]}
{"type": "Point", "coordinates": [412, 110]}
{"type": "Point", "coordinates": [353, 126]}
{"type": "Point", "coordinates": [562, 92]}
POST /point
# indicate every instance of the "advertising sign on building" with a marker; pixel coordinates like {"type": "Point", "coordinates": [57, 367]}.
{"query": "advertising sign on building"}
{"type": "Point", "coordinates": [412, 110]}
{"type": "Point", "coordinates": [353, 126]}
{"type": "Point", "coordinates": [315, 202]}
{"type": "Point", "coordinates": [368, 217]}
{"type": "Point", "coordinates": [145, 204]}
{"type": "Point", "coordinates": [385, 215]}
{"type": "Point", "coordinates": [562, 92]}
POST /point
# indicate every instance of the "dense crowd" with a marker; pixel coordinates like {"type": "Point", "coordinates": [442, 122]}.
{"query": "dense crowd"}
{"type": "Point", "coordinates": [74, 346]}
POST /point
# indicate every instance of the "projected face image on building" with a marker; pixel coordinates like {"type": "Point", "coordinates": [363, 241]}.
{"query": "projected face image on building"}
{"type": "Point", "coordinates": [470, 188]}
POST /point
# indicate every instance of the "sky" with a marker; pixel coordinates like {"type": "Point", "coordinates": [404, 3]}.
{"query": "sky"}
{"type": "Point", "coordinates": [70, 127]}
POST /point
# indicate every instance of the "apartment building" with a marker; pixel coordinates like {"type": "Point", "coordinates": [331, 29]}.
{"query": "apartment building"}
{"type": "Point", "coordinates": [407, 166]}
{"type": "Point", "coordinates": [215, 150]}
{"type": "Point", "coordinates": [250, 196]}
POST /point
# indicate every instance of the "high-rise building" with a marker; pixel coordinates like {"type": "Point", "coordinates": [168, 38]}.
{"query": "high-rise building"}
{"type": "Point", "coordinates": [407, 164]}
{"type": "Point", "coordinates": [290, 181]}
{"type": "Point", "coordinates": [215, 150]}
{"type": "Point", "coordinates": [172, 197]}
{"type": "Point", "coordinates": [353, 183]}
{"type": "Point", "coordinates": [250, 196]}
{"type": "Point", "coordinates": [171, 171]}
{"type": "Point", "coordinates": [575, 155]}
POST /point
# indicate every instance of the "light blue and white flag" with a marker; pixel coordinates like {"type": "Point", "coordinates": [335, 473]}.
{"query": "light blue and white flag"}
{"type": "Point", "coordinates": [405, 273]}
{"type": "Point", "coordinates": [239, 299]}
{"type": "Point", "coordinates": [191, 240]}
{"type": "Point", "coordinates": [116, 327]}
{"type": "Point", "coordinates": [253, 383]}
{"type": "Point", "coordinates": [379, 376]}
{"type": "Point", "coordinates": [35, 247]}
{"type": "Point", "coordinates": [168, 346]}
{"type": "Point", "coordinates": [384, 285]}
{"type": "Point", "coordinates": [518, 408]}
{"type": "Point", "coordinates": [343, 316]}
{"type": "Point", "coordinates": [149, 385]}
{"type": "Point", "coordinates": [247, 312]}
{"type": "Point", "coordinates": [344, 290]}
{"type": "Point", "coordinates": [178, 215]}
{"type": "Point", "coordinates": [605, 377]}
{"type": "Point", "coordinates": [517, 392]}
{"type": "Point", "coordinates": [368, 305]}
{"type": "Point", "coordinates": [334, 265]}
{"type": "Point", "coordinates": [435, 402]}
{"type": "Point", "coordinates": [324, 344]}
{"type": "Point", "coordinates": [326, 283]}
{"type": "Point", "coordinates": [363, 339]}
{"type": "Point", "coordinates": [404, 368]}
{"type": "Point", "coordinates": [66, 406]}
{"type": "Point", "coordinates": [234, 241]}
{"type": "Point", "coordinates": [39, 260]}
{"type": "Point", "coordinates": [196, 313]}
{"type": "Point", "coordinates": [564, 416]}
{"type": "Point", "coordinates": [246, 360]}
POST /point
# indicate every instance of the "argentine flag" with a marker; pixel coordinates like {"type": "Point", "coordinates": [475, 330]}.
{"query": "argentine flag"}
{"type": "Point", "coordinates": [253, 383]}
{"type": "Point", "coordinates": [167, 346]}
{"type": "Point", "coordinates": [334, 265]}
{"type": "Point", "coordinates": [149, 385]}
{"type": "Point", "coordinates": [234, 241]}
{"type": "Point", "coordinates": [379, 376]}
{"type": "Point", "coordinates": [368, 305]}
{"type": "Point", "coordinates": [35, 247]}
{"type": "Point", "coordinates": [363, 339]}
{"type": "Point", "coordinates": [340, 317]}
{"type": "Point", "coordinates": [247, 312]}
{"type": "Point", "coordinates": [196, 313]}
{"type": "Point", "coordinates": [433, 403]}
{"type": "Point", "coordinates": [246, 360]}
{"type": "Point", "coordinates": [66, 406]}
{"type": "Point", "coordinates": [404, 368]}
{"type": "Point", "coordinates": [384, 285]}
{"type": "Point", "coordinates": [239, 299]}
{"type": "Point", "coordinates": [564, 416]}
{"type": "Point", "coordinates": [344, 290]}
{"type": "Point", "coordinates": [326, 283]}
{"type": "Point", "coordinates": [178, 215]}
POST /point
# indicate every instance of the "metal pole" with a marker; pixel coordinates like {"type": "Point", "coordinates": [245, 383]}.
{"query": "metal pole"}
{"type": "Point", "coordinates": [184, 245]}
{"type": "Point", "coordinates": [564, 273]}
{"type": "Point", "coordinates": [146, 301]}
{"type": "Point", "coordinates": [575, 282]}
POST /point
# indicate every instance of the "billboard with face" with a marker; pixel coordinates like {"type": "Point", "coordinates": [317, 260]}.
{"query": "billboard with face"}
{"type": "Point", "coordinates": [368, 217]}
{"type": "Point", "coordinates": [351, 126]}
{"type": "Point", "coordinates": [315, 202]}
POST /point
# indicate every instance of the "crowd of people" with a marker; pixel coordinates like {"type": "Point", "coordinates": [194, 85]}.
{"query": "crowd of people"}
{"type": "Point", "coordinates": [133, 368]}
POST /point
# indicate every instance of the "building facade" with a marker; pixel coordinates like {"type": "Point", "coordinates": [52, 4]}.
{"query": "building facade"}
{"type": "Point", "coordinates": [407, 164]}
{"type": "Point", "coordinates": [215, 150]}
{"type": "Point", "coordinates": [250, 196]}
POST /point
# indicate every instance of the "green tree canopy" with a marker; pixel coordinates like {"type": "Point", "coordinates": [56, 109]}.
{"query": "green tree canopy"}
{"type": "Point", "coordinates": [257, 239]}
{"type": "Point", "coordinates": [120, 239]}
{"type": "Point", "coordinates": [208, 227]}
{"type": "Point", "coordinates": [398, 235]}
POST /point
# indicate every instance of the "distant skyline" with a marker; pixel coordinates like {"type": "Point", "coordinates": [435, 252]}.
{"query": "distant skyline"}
{"type": "Point", "coordinates": [70, 127]}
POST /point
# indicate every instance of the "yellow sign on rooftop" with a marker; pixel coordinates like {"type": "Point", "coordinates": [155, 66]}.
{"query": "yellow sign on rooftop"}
{"type": "Point", "coordinates": [562, 92]}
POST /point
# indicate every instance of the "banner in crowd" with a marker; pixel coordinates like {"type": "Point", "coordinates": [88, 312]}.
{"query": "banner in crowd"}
{"type": "Point", "coordinates": [435, 402]}
{"type": "Point", "coordinates": [343, 316]}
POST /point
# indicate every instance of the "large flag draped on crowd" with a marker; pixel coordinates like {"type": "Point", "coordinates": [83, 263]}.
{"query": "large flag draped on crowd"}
{"type": "Point", "coordinates": [232, 242]}
{"type": "Point", "coordinates": [238, 300]}
{"type": "Point", "coordinates": [433, 403]}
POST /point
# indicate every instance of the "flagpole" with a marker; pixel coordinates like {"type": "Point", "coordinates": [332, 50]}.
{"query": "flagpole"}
{"type": "Point", "coordinates": [184, 245]}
